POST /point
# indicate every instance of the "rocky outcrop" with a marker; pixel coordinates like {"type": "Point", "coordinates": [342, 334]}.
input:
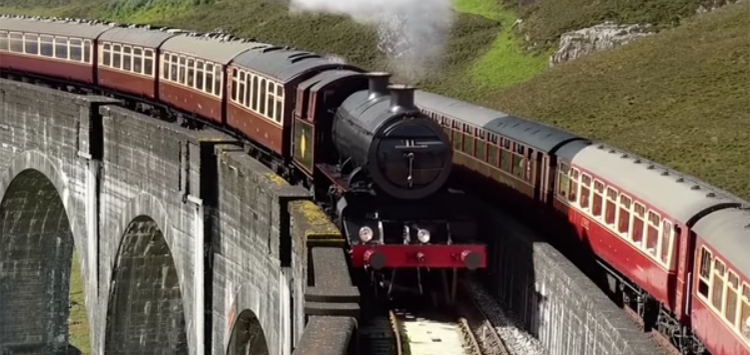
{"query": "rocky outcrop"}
{"type": "Point", "coordinates": [604, 36]}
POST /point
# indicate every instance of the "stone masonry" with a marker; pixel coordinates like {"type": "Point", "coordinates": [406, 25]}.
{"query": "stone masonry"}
{"type": "Point", "coordinates": [184, 242]}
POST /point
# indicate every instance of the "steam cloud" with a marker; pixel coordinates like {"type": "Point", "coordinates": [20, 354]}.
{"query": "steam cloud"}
{"type": "Point", "coordinates": [411, 33]}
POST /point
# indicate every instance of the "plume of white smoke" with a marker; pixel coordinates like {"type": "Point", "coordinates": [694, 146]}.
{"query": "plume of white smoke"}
{"type": "Point", "coordinates": [412, 33]}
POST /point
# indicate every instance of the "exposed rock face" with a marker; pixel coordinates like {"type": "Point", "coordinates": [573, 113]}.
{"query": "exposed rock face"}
{"type": "Point", "coordinates": [604, 36]}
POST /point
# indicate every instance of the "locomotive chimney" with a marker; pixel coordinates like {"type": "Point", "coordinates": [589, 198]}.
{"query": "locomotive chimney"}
{"type": "Point", "coordinates": [378, 84]}
{"type": "Point", "coordinates": [402, 97]}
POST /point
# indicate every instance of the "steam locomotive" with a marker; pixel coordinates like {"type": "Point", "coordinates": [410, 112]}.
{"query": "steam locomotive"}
{"type": "Point", "coordinates": [370, 156]}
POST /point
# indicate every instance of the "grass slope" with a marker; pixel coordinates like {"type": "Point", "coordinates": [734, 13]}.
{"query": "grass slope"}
{"type": "Point", "coordinates": [681, 97]}
{"type": "Point", "coordinates": [78, 329]}
{"type": "Point", "coordinates": [546, 20]}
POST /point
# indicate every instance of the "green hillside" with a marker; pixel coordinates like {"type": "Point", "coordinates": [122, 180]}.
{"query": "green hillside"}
{"type": "Point", "coordinates": [681, 97]}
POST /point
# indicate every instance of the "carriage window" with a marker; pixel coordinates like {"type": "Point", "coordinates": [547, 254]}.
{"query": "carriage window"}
{"type": "Point", "coordinates": [745, 312]}
{"type": "Point", "coordinates": [271, 98]}
{"type": "Point", "coordinates": [87, 51]}
{"type": "Point", "coordinates": [731, 300]}
{"type": "Point", "coordinates": [480, 150]}
{"type": "Point", "coordinates": [3, 41]}
{"type": "Point", "coordinates": [652, 233]}
{"type": "Point", "coordinates": [191, 72]}
{"type": "Point", "coordinates": [241, 93]}
{"type": "Point", "coordinates": [252, 90]}
{"type": "Point", "coordinates": [256, 92]}
{"type": "Point", "coordinates": [505, 160]}
{"type": "Point", "coordinates": [182, 71]}
{"type": "Point", "coordinates": [138, 60]}
{"type": "Point", "coordinates": [174, 69]}
{"type": "Point", "coordinates": [61, 47]}
{"type": "Point", "coordinates": [585, 191]}
{"type": "Point", "coordinates": [16, 42]}
{"type": "Point", "coordinates": [148, 62]}
{"type": "Point", "coordinates": [598, 198]}
{"type": "Point", "coordinates": [218, 77]}
{"type": "Point", "coordinates": [624, 221]}
{"type": "Point", "coordinates": [116, 56]}
{"type": "Point", "coordinates": [611, 208]}
{"type": "Point", "coordinates": [705, 272]}
{"type": "Point", "coordinates": [127, 58]}
{"type": "Point", "coordinates": [199, 74]}
{"type": "Point", "coordinates": [718, 285]}
{"type": "Point", "coordinates": [210, 78]}
{"type": "Point", "coordinates": [638, 224]}
{"type": "Point", "coordinates": [279, 103]}
{"type": "Point", "coordinates": [165, 63]}
{"type": "Point", "coordinates": [262, 97]}
{"type": "Point", "coordinates": [492, 154]}
{"type": "Point", "coordinates": [76, 49]}
{"type": "Point", "coordinates": [31, 43]}
{"type": "Point", "coordinates": [563, 180]}
{"type": "Point", "coordinates": [573, 193]}
{"type": "Point", "coordinates": [106, 53]}
{"type": "Point", "coordinates": [666, 241]}
{"type": "Point", "coordinates": [468, 140]}
{"type": "Point", "coordinates": [519, 165]}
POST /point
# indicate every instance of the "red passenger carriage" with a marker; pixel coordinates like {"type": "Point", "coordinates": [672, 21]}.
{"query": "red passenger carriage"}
{"type": "Point", "coordinates": [127, 60]}
{"type": "Point", "coordinates": [192, 73]}
{"type": "Point", "coordinates": [55, 49]}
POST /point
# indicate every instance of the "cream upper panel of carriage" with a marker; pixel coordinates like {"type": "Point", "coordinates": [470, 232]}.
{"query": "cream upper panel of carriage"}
{"type": "Point", "coordinates": [533, 134]}
{"type": "Point", "coordinates": [672, 193]}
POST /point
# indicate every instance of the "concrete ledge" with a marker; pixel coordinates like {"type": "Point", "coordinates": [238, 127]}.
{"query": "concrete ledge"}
{"type": "Point", "coordinates": [326, 336]}
{"type": "Point", "coordinates": [552, 299]}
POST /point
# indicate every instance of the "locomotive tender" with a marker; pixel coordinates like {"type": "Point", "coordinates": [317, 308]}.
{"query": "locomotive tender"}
{"type": "Point", "coordinates": [674, 248]}
{"type": "Point", "coordinates": [361, 145]}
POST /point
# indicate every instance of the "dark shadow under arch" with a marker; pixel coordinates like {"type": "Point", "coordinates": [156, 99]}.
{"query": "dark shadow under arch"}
{"type": "Point", "coordinates": [36, 251]}
{"type": "Point", "coordinates": [247, 336]}
{"type": "Point", "coordinates": [145, 310]}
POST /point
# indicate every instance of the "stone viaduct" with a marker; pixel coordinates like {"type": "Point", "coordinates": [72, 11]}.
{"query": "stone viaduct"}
{"type": "Point", "coordinates": [188, 246]}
